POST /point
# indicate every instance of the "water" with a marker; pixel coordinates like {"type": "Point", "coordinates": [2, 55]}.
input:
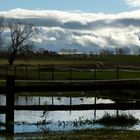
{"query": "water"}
{"type": "Point", "coordinates": [58, 100]}
{"type": "Point", "coordinates": [31, 121]}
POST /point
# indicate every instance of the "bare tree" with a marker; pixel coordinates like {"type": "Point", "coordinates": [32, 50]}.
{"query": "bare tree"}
{"type": "Point", "coordinates": [20, 35]}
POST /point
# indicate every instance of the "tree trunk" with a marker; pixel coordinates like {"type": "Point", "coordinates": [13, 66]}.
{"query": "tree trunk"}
{"type": "Point", "coordinates": [11, 59]}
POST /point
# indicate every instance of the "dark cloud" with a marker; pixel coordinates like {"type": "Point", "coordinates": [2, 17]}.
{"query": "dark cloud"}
{"type": "Point", "coordinates": [82, 31]}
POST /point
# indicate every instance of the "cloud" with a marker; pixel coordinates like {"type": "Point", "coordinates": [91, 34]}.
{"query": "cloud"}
{"type": "Point", "coordinates": [133, 3]}
{"type": "Point", "coordinates": [82, 31]}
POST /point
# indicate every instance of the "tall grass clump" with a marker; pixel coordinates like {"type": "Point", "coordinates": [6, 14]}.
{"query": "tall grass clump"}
{"type": "Point", "coordinates": [118, 120]}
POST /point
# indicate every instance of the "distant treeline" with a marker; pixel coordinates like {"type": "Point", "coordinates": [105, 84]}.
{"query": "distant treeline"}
{"type": "Point", "coordinates": [42, 53]}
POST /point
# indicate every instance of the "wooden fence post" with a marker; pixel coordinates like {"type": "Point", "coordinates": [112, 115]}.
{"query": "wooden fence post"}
{"type": "Point", "coordinates": [6, 70]}
{"type": "Point", "coordinates": [52, 71]}
{"type": "Point", "coordinates": [70, 101]}
{"type": "Point", "coordinates": [118, 73]}
{"type": "Point", "coordinates": [15, 69]}
{"type": "Point", "coordinates": [26, 72]}
{"type": "Point", "coordinates": [38, 72]}
{"type": "Point", "coordinates": [52, 101]}
{"type": "Point", "coordinates": [117, 113]}
{"type": "Point", "coordinates": [70, 73]}
{"type": "Point", "coordinates": [39, 101]}
{"type": "Point", "coordinates": [10, 84]}
{"type": "Point", "coordinates": [95, 73]}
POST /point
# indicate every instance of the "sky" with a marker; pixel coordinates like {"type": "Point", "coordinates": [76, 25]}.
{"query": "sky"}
{"type": "Point", "coordinates": [85, 25]}
{"type": "Point", "coordinates": [106, 6]}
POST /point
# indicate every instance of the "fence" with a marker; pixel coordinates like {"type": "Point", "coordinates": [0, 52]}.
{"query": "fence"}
{"type": "Point", "coordinates": [65, 72]}
{"type": "Point", "coordinates": [70, 86]}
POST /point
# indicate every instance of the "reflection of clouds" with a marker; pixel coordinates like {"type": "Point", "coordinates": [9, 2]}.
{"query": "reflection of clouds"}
{"type": "Point", "coordinates": [60, 100]}
{"type": "Point", "coordinates": [2, 100]}
{"type": "Point", "coordinates": [105, 101]}
{"type": "Point", "coordinates": [135, 113]}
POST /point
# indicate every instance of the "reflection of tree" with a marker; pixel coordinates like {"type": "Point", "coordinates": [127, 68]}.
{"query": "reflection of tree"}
{"type": "Point", "coordinates": [44, 116]}
{"type": "Point", "coordinates": [42, 124]}
{"type": "Point", "coordinates": [118, 96]}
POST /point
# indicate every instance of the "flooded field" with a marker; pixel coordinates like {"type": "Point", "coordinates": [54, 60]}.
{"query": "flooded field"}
{"type": "Point", "coordinates": [39, 121]}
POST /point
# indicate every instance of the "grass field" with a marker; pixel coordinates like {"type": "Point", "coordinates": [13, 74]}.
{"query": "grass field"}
{"type": "Point", "coordinates": [56, 72]}
{"type": "Point", "coordinates": [108, 59]}
{"type": "Point", "coordinates": [99, 134]}
{"type": "Point", "coordinates": [74, 68]}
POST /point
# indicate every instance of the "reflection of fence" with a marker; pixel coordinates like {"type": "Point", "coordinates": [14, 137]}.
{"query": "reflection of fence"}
{"type": "Point", "coordinates": [71, 85]}
{"type": "Point", "coordinates": [65, 72]}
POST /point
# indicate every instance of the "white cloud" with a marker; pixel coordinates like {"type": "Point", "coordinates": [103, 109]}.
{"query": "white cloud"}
{"type": "Point", "coordinates": [133, 3]}
{"type": "Point", "coordinates": [83, 31]}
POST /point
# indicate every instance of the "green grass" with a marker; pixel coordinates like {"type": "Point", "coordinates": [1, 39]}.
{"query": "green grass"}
{"type": "Point", "coordinates": [83, 63]}
{"type": "Point", "coordinates": [83, 75]}
{"type": "Point", "coordinates": [99, 134]}
{"type": "Point", "coordinates": [129, 74]}
{"type": "Point", "coordinates": [33, 74]}
{"type": "Point", "coordinates": [108, 59]}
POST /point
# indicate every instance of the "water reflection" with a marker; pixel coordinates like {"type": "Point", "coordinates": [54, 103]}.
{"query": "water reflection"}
{"type": "Point", "coordinates": [2, 100]}
{"type": "Point", "coordinates": [2, 116]}
{"type": "Point", "coordinates": [58, 100]}
{"type": "Point", "coordinates": [63, 120]}
{"type": "Point", "coordinates": [30, 121]}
